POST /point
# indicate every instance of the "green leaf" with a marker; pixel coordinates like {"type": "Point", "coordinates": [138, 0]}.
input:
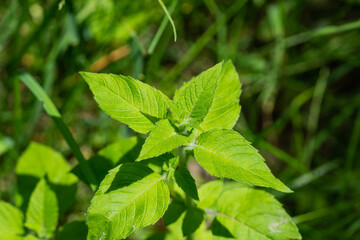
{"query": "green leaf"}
{"type": "Point", "coordinates": [208, 193]}
{"type": "Point", "coordinates": [187, 183]}
{"type": "Point", "coordinates": [225, 153]}
{"type": "Point", "coordinates": [192, 220]}
{"type": "Point", "coordinates": [130, 197]}
{"type": "Point", "coordinates": [194, 99]}
{"type": "Point", "coordinates": [174, 212]}
{"type": "Point", "coordinates": [225, 109]}
{"type": "Point", "coordinates": [255, 215]}
{"type": "Point", "coordinates": [11, 221]}
{"type": "Point", "coordinates": [76, 230]}
{"type": "Point", "coordinates": [220, 230]}
{"type": "Point", "coordinates": [29, 237]}
{"type": "Point", "coordinates": [39, 161]}
{"type": "Point", "coordinates": [6, 144]}
{"type": "Point", "coordinates": [124, 150]}
{"type": "Point", "coordinates": [128, 100]}
{"type": "Point", "coordinates": [160, 163]}
{"type": "Point", "coordinates": [42, 213]}
{"type": "Point", "coordinates": [162, 139]}
{"type": "Point", "coordinates": [52, 111]}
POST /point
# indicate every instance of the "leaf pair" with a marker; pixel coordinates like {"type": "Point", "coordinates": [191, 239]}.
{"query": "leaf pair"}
{"type": "Point", "coordinates": [128, 100]}
{"type": "Point", "coordinates": [207, 101]}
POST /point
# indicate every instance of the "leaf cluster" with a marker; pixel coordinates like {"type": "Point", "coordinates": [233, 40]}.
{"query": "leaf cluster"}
{"type": "Point", "coordinates": [199, 120]}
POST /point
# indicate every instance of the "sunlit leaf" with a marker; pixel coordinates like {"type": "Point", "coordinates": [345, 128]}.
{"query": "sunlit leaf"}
{"type": "Point", "coordinates": [42, 213]}
{"type": "Point", "coordinates": [251, 214]}
{"type": "Point", "coordinates": [128, 100]}
{"type": "Point", "coordinates": [225, 153]}
{"type": "Point", "coordinates": [162, 139]}
{"type": "Point", "coordinates": [194, 99]}
{"type": "Point", "coordinates": [130, 197]}
{"type": "Point", "coordinates": [225, 109]}
{"type": "Point", "coordinates": [11, 222]}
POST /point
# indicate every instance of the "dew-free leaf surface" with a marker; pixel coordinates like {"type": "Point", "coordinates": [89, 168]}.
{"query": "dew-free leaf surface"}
{"type": "Point", "coordinates": [251, 214]}
{"type": "Point", "coordinates": [225, 109]}
{"type": "Point", "coordinates": [163, 138]}
{"type": "Point", "coordinates": [42, 213]}
{"type": "Point", "coordinates": [225, 153]}
{"type": "Point", "coordinates": [128, 100]}
{"type": "Point", "coordinates": [130, 197]}
{"type": "Point", "coordinates": [187, 183]}
{"type": "Point", "coordinates": [11, 221]}
{"type": "Point", "coordinates": [194, 99]}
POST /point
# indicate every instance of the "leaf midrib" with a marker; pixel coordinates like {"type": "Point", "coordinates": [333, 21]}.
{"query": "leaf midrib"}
{"type": "Point", "coordinates": [197, 100]}
{"type": "Point", "coordinates": [119, 96]}
{"type": "Point", "coordinates": [145, 190]}
{"type": "Point", "coordinates": [237, 164]}
{"type": "Point", "coordinates": [174, 134]}
{"type": "Point", "coordinates": [242, 223]}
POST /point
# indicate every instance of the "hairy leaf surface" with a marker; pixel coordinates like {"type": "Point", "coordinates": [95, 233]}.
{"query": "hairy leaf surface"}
{"type": "Point", "coordinates": [130, 197]}
{"type": "Point", "coordinates": [11, 221]}
{"type": "Point", "coordinates": [187, 183]}
{"type": "Point", "coordinates": [42, 214]}
{"type": "Point", "coordinates": [162, 139]}
{"type": "Point", "coordinates": [128, 100]}
{"type": "Point", "coordinates": [225, 109]}
{"type": "Point", "coordinates": [225, 153]}
{"type": "Point", "coordinates": [194, 99]}
{"type": "Point", "coordinates": [251, 214]}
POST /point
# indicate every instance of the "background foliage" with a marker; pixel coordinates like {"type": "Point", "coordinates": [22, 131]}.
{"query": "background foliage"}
{"type": "Point", "coordinates": [298, 62]}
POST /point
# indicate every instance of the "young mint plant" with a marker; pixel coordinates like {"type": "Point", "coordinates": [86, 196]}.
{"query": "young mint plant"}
{"type": "Point", "coordinates": [200, 118]}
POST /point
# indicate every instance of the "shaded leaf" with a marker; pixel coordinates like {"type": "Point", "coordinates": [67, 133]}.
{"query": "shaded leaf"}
{"type": "Point", "coordinates": [129, 198]}
{"type": "Point", "coordinates": [220, 230]}
{"type": "Point", "coordinates": [225, 153]}
{"type": "Point", "coordinates": [42, 213]}
{"type": "Point", "coordinates": [158, 164]}
{"type": "Point", "coordinates": [187, 183]}
{"type": "Point", "coordinates": [124, 150]}
{"type": "Point", "coordinates": [192, 220]}
{"type": "Point", "coordinates": [76, 230]}
{"type": "Point", "coordinates": [255, 215]}
{"type": "Point", "coordinates": [37, 162]}
{"type": "Point", "coordinates": [128, 100]}
{"type": "Point", "coordinates": [173, 213]}
{"type": "Point", "coordinates": [162, 139]}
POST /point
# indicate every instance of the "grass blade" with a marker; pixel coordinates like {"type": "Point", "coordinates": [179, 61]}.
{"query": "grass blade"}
{"type": "Point", "coordinates": [52, 111]}
{"type": "Point", "coordinates": [161, 29]}
{"type": "Point", "coordinates": [169, 17]}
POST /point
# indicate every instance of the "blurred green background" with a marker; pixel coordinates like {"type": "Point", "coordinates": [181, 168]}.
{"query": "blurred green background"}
{"type": "Point", "coordinates": [298, 62]}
